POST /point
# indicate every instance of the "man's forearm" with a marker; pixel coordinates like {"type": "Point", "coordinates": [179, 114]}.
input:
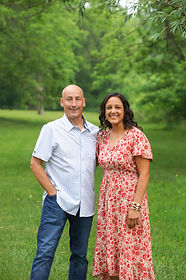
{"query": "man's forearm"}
{"type": "Point", "coordinates": [36, 166]}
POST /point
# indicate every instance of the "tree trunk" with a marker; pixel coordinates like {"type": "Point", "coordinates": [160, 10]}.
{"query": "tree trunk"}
{"type": "Point", "coordinates": [40, 106]}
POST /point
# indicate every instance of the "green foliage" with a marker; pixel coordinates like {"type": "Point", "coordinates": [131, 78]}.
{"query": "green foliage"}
{"type": "Point", "coordinates": [37, 61]}
{"type": "Point", "coordinates": [161, 62]}
{"type": "Point", "coordinates": [170, 15]}
{"type": "Point", "coordinates": [45, 45]}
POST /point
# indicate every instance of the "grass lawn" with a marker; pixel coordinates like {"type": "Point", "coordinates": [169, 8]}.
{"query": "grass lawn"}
{"type": "Point", "coordinates": [21, 195]}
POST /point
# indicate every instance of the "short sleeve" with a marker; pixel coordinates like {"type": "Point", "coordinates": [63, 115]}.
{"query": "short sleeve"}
{"type": "Point", "coordinates": [141, 145]}
{"type": "Point", "coordinates": [98, 143]}
{"type": "Point", "coordinates": [45, 144]}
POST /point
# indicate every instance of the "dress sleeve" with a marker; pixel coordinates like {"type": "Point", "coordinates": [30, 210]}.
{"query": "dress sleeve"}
{"type": "Point", "coordinates": [141, 145]}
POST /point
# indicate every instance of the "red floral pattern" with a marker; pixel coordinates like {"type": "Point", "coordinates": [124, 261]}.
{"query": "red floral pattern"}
{"type": "Point", "coordinates": [120, 251]}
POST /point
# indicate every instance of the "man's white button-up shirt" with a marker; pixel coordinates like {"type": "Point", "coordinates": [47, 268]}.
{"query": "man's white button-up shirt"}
{"type": "Point", "coordinates": [70, 160]}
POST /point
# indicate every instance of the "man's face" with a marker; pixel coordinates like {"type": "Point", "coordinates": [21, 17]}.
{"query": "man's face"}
{"type": "Point", "coordinates": [73, 102]}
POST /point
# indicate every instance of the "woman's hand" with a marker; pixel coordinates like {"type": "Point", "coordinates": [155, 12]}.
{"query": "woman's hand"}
{"type": "Point", "coordinates": [133, 218]}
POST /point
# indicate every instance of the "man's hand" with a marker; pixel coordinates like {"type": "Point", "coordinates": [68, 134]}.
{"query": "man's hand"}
{"type": "Point", "coordinates": [53, 192]}
{"type": "Point", "coordinates": [36, 166]}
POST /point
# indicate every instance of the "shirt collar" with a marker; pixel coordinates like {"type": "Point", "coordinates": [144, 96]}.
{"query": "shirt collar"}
{"type": "Point", "coordinates": [69, 125]}
{"type": "Point", "coordinates": [86, 125]}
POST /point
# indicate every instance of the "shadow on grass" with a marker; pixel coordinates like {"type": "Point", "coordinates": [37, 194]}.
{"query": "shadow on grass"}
{"type": "Point", "coordinates": [31, 123]}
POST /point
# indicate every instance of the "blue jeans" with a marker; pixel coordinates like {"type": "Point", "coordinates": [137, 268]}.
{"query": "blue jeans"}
{"type": "Point", "coordinates": [53, 220]}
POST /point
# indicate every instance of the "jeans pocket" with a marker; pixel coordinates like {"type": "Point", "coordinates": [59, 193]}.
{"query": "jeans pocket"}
{"type": "Point", "coordinates": [52, 196]}
{"type": "Point", "coordinates": [51, 204]}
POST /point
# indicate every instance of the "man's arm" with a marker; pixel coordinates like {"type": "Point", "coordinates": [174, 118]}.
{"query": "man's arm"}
{"type": "Point", "coordinates": [36, 166]}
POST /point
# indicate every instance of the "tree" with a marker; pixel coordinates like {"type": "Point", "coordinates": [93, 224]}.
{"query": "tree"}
{"type": "Point", "coordinates": [171, 13]}
{"type": "Point", "coordinates": [161, 61]}
{"type": "Point", "coordinates": [33, 69]}
{"type": "Point", "coordinates": [45, 45]}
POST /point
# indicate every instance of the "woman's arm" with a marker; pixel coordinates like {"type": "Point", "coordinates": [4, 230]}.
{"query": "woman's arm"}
{"type": "Point", "coordinates": [143, 166]}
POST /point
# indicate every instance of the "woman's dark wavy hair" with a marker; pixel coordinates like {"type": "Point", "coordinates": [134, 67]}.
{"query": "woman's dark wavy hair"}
{"type": "Point", "coordinates": [128, 119]}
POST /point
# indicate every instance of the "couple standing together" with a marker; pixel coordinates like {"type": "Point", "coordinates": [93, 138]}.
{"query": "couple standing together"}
{"type": "Point", "coordinates": [69, 147]}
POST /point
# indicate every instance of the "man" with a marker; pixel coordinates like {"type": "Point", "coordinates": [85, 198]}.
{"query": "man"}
{"type": "Point", "coordinates": [67, 146]}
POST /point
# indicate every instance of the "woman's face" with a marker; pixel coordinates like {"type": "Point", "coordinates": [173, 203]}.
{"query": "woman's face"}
{"type": "Point", "coordinates": [114, 111]}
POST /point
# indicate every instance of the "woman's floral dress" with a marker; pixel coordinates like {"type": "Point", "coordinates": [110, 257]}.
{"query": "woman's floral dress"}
{"type": "Point", "coordinates": [121, 251]}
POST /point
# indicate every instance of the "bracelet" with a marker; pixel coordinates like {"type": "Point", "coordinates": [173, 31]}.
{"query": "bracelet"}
{"type": "Point", "coordinates": [136, 206]}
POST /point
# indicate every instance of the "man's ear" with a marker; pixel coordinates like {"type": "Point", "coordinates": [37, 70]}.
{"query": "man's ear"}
{"type": "Point", "coordinates": [84, 104]}
{"type": "Point", "coordinates": [61, 100]}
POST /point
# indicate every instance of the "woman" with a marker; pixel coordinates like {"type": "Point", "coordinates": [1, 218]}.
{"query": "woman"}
{"type": "Point", "coordinates": [123, 243]}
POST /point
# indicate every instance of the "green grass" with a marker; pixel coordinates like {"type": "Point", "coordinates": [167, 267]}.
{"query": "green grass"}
{"type": "Point", "coordinates": [20, 204]}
